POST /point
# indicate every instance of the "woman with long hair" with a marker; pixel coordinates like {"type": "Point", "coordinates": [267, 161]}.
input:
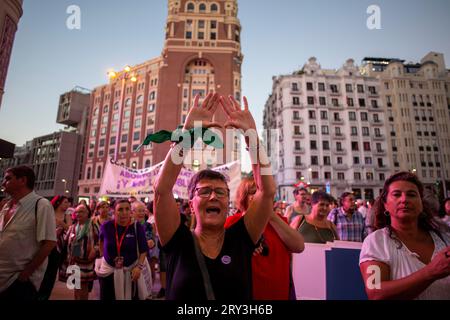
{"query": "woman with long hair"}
{"type": "Point", "coordinates": [408, 256]}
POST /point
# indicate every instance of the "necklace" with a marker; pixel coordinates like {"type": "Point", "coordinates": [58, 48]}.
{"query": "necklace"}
{"type": "Point", "coordinates": [320, 236]}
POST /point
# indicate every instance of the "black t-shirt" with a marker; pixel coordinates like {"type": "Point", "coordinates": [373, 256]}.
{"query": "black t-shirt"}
{"type": "Point", "coordinates": [230, 272]}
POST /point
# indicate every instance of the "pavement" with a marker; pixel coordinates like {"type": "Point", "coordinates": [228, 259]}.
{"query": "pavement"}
{"type": "Point", "coordinates": [61, 292]}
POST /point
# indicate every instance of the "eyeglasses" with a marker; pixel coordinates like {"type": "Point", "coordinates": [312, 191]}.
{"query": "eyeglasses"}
{"type": "Point", "coordinates": [206, 192]}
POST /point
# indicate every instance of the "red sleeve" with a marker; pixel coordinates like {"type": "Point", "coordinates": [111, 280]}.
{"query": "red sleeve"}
{"type": "Point", "coordinates": [232, 220]}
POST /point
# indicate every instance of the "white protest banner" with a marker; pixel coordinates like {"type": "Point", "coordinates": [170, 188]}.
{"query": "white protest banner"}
{"type": "Point", "coordinates": [121, 182]}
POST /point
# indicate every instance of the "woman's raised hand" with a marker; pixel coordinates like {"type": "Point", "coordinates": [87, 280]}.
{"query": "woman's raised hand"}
{"type": "Point", "coordinates": [237, 118]}
{"type": "Point", "coordinates": [203, 113]}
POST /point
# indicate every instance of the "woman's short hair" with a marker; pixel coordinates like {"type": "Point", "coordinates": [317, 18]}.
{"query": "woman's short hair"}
{"type": "Point", "coordinates": [204, 175]}
{"type": "Point", "coordinates": [243, 192]}
{"type": "Point", "coordinates": [320, 196]}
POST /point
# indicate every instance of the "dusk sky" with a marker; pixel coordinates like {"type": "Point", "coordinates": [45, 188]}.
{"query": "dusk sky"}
{"type": "Point", "coordinates": [278, 38]}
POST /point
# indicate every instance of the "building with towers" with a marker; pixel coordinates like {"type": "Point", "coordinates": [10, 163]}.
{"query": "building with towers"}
{"type": "Point", "coordinates": [201, 54]}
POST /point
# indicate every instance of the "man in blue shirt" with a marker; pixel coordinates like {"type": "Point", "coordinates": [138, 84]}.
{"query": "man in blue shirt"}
{"type": "Point", "coordinates": [349, 222]}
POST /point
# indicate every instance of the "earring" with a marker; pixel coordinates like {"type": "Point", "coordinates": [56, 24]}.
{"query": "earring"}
{"type": "Point", "coordinates": [386, 213]}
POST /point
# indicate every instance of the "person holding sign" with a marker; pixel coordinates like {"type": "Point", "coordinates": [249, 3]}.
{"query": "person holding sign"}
{"type": "Point", "coordinates": [211, 262]}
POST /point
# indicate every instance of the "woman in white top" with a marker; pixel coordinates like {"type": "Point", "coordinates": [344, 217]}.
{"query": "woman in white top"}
{"type": "Point", "coordinates": [408, 257]}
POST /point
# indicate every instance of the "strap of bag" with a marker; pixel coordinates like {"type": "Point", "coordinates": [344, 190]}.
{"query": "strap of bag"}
{"type": "Point", "coordinates": [205, 275]}
{"type": "Point", "coordinates": [35, 211]}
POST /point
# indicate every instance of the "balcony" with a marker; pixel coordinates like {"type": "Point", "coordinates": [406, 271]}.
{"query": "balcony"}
{"type": "Point", "coordinates": [379, 137]}
{"type": "Point", "coordinates": [341, 152]}
{"type": "Point", "coordinates": [297, 121]}
{"type": "Point", "coordinates": [379, 152]}
{"type": "Point", "coordinates": [376, 122]}
{"type": "Point", "coordinates": [300, 166]}
{"type": "Point", "coordinates": [376, 108]}
{"type": "Point", "coordinates": [342, 166]}
{"type": "Point", "coordinates": [299, 151]}
{"type": "Point", "coordinates": [337, 121]}
{"type": "Point", "coordinates": [335, 93]}
{"type": "Point", "coordinates": [335, 107]}
{"type": "Point", "coordinates": [298, 135]}
{"type": "Point", "coordinates": [338, 136]}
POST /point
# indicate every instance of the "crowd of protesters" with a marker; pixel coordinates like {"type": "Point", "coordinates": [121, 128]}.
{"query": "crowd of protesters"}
{"type": "Point", "coordinates": [207, 248]}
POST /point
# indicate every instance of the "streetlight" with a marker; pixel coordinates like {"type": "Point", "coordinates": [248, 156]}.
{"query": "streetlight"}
{"type": "Point", "coordinates": [414, 170]}
{"type": "Point", "coordinates": [65, 185]}
{"type": "Point", "coordinates": [123, 76]}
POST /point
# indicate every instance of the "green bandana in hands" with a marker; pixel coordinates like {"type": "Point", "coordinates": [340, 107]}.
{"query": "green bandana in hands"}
{"type": "Point", "coordinates": [177, 136]}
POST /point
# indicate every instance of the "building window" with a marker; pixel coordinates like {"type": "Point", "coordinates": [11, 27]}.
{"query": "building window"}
{"type": "Point", "coordinates": [296, 101]}
{"type": "Point", "coordinates": [188, 34]}
{"type": "Point", "coordinates": [322, 101]}
{"type": "Point", "coordinates": [363, 116]}
{"type": "Point", "coordinates": [348, 88]}
{"type": "Point", "coordinates": [136, 136]}
{"type": "Point", "coordinates": [366, 146]}
{"type": "Point", "coordinates": [202, 7]}
{"type": "Point", "coordinates": [325, 130]}
{"type": "Point", "coordinates": [124, 138]}
{"type": "Point", "coordinates": [88, 174]}
{"type": "Point", "coordinates": [152, 95]}
{"type": "Point", "coordinates": [350, 102]}
{"type": "Point", "coordinates": [365, 131]}
{"type": "Point", "coordinates": [312, 129]}
{"type": "Point", "coordinates": [352, 116]}
{"type": "Point", "coordinates": [335, 102]}
{"type": "Point", "coordinates": [314, 160]}
{"type": "Point", "coordinates": [326, 145]}
{"type": "Point", "coordinates": [112, 141]}
{"type": "Point", "coordinates": [355, 160]}
{"type": "Point", "coordinates": [201, 36]}
{"type": "Point", "coordinates": [312, 114]}
{"type": "Point", "coordinates": [313, 144]}
{"type": "Point", "coordinates": [310, 101]}
{"type": "Point", "coordinates": [151, 107]}
{"type": "Point", "coordinates": [369, 176]}
{"type": "Point", "coordinates": [360, 88]}
{"type": "Point", "coordinates": [140, 99]}
{"type": "Point", "coordinates": [333, 88]}
{"type": "Point", "coordinates": [368, 160]}
{"type": "Point", "coordinates": [296, 129]}
{"type": "Point", "coordinates": [309, 86]}
{"type": "Point", "coordinates": [126, 114]}
{"type": "Point", "coordinates": [321, 86]}
{"type": "Point", "coordinates": [294, 86]}
{"type": "Point", "coordinates": [128, 102]}
{"type": "Point", "coordinates": [99, 172]}
{"type": "Point", "coordinates": [190, 7]}
{"type": "Point", "coordinates": [362, 102]}
{"type": "Point", "coordinates": [357, 176]}
{"type": "Point", "coordinates": [326, 161]}
{"type": "Point", "coordinates": [137, 123]}
{"type": "Point", "coordinates": [341, 176]}
{"type": "Point", "coordinates": [296, 115]}
{"type": "Point", "coordinates": [328, 175]}
{"type": "Point", "coordinates": [355, 146]}
{"type": "Point", "coordinates": [102, 142]}
{"type": "Point", "coordinates": [213, 36]}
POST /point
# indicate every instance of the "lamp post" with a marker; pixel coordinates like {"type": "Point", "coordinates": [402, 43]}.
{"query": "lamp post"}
{"type": "Point", "coordinates": [65, 186]}
{"type": "Point", "coordinates": [123, 76]}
